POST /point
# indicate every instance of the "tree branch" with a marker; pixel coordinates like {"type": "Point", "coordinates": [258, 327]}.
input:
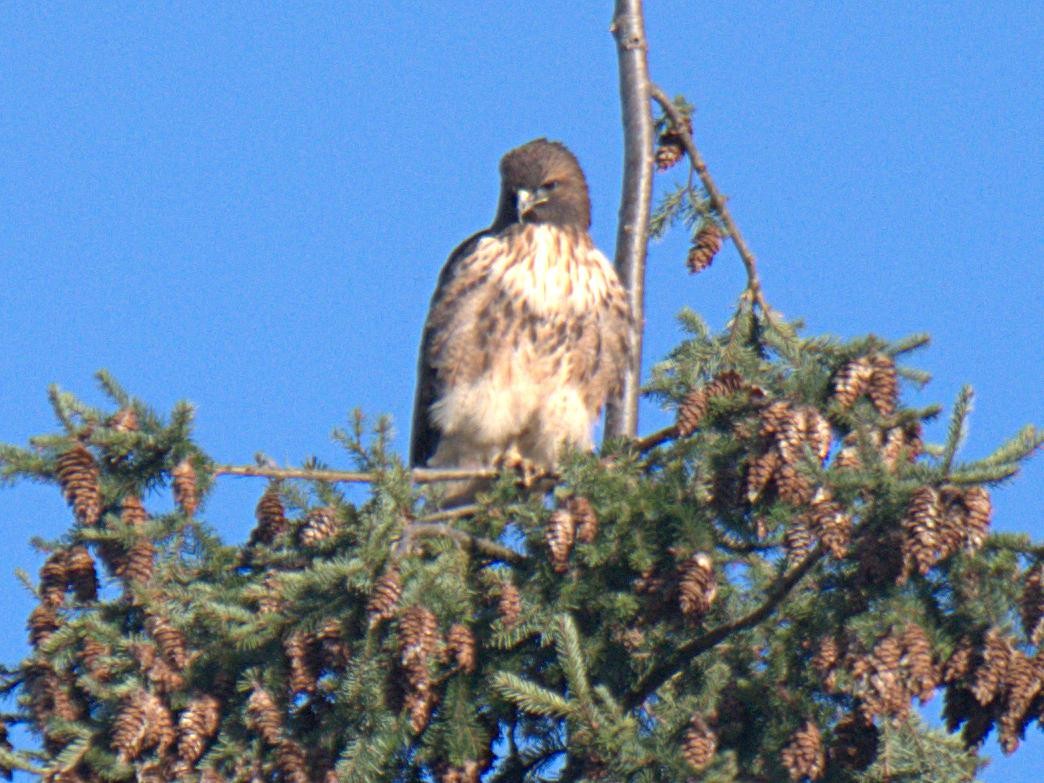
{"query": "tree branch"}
{"type": "Point", "coordinates": [417, 475]}
{"type": "Point", "coordinates": [632, 235]}
{"type": "Point", "coordinates": [663, 671]}
{"type": "Point", "coordinates": [466, 540]}
{"type": "Point", "coordinates": [717, 201]}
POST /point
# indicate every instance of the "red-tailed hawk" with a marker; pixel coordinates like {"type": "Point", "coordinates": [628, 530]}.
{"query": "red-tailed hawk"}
{"type": "Point", "coordinates": [528, 331]}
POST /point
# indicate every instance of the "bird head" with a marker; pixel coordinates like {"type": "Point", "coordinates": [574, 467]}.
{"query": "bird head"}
{"type": "Point", "coordinates": [542, 182]}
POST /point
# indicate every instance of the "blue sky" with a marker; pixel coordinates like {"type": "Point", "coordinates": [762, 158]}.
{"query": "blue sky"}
{"type": "Point", "coordinates": [246, 205]}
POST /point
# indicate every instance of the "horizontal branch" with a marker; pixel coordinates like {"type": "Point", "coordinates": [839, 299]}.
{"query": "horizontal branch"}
{"type": "Point", "coordinates": [466, 540]}
{"type": "Point", "coordinates": [666, 669]}
{"type": "Point", "coordinates": [417, 475]}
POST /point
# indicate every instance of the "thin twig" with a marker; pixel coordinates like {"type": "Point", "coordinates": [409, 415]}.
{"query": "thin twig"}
{"type": "Point", "coordinates": [466, 540]}
{"type": "Point", "coordinates": [451, 513]}
{"type": "Point", "coordinates": [717, 201]}
{"type": "Point", "coordinates": [417, 475]}
{"type": "Point", "coordinates": [667, 668]}
{"type": "Point", "coordinates": [632, 233]}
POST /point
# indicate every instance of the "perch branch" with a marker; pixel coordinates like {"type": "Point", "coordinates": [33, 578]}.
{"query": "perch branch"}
{"type": "Point", "coordinates": [417, 475]}
{"type": "Point", "coordinates": [666, 669]}
{"type": "Point", "coordinates": [632, 236]}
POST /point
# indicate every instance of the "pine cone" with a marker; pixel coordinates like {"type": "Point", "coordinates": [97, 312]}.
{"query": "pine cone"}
{"type": "Point", "coordinates": [264, 715]}
{"type": "Point", "coordinates": [83, 578]}
{"type": "Point", "coordinates": [922, 675]}
{"type": "Point", "coordinates": [1031, 604]}
{"type": "Point", "coordinates": [668, 153]}
{"type": "Point", "coordinates": [197, 725]}
{"type": "Point", "coordinates": [761, 471]}
{"type": "Point", "coordinates": [156, 669]}
{"type": "Point", "coordinates": [124, 420]}
{"type": "Point", "coordinates": [334, 650]}
{"type": "Point", "coordinates": [186, 489]}
{"type": "Point", "coordinates": [510, 605]}
{"type": "Point", "coordinates": [992, 675]}
{"type": "Point", "coordinates": [699, 745]}
{"type": "Point", "coordinates": [883, 388]}
{"type": "Point", "coordinates": [320, 525]}
{"type": "Point", "coordinates": [705, 245]}
{"type": "Point", "coordinates": [385, 597]}
{"type": "Point", "coordinates": [698, 586]}
{"type": "Point", "coordinates": [694, 406]}
{"type": "Point", "coordinates": [138, 565]}
{"type": "Point", "coordinates": [803, 755]}
{"type": "Point", "coordinates": [586, 519]}
{"type": "Point", "coordinates": [43, 621]}
{"type": "Point", "coordinates": [54, 577]}
{"type": "Point", "coordinates": [560, 535]}
{"type": "Point", "coordinates": [143, 722]}
{"type": "Point", "coordinates": [300, 652]}
{"type": "Point", "coordinates": [797, 539]}
{"type": "Point", "coordinates": [418, 639]}
{"type": "Point", "coordinates": [825, 661]}
{"type": "Point", "coordinates": [1024, 684]}
{"type": "Point", "coordinates": [920, 528]}
{"type": "Point", "coordinates": [960, 662]}
{"type": "Point", "coordinates": [830, 524]}
{"type": "Point", "coordinates": [292, 762]}
{"type": "Point", "coordinates": [271, 517]}
{"type": "Point", "coordinates": [979, 511]}
{"type": "Point", "coordinates": [794, 486]}
{"type": "Point", "coordinates": [460, 644]}
{"type": "Point", "coordinates": [852, 381]}
{"type": "Point", "coordinates": [270, 599]}
{"type": "Point", "coordinates": [78, 475]}
{"type": "Point", "coordinates": [91, 654]}
{"type": "Point", "coordinates": [880, 680]}
{"type": "Point", "coordinates": [171, 641]}
{"type": "Point", "coordinates": [855, 743]}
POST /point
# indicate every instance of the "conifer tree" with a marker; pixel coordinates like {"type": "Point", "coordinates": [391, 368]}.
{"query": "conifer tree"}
{"type": "Point", "coordinates": [760, 592]}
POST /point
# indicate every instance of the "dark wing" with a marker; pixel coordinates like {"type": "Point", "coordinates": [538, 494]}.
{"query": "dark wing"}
{"type": "Point", "coordinates": [424, 438]}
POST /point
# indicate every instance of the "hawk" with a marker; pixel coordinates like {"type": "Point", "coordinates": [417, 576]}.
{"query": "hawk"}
{"type": "Point", "coordinates": [529, 329]}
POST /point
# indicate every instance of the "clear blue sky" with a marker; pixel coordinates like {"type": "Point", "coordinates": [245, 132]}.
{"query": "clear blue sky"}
{"type": "Point", "coordinates": [246, 206]}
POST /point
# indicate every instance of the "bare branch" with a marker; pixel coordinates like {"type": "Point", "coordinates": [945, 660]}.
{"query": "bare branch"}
{"type": "Point", "coordinates": [717, 201]}
{"type": "Point", "coordinates": [667, 668]}
{"type": "Point", "coordinates": [632, 236]}
{"type": "Point", "coordinates": [417, 475]}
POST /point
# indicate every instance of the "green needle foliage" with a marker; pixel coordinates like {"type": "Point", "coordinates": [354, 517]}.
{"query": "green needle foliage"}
{"type": "Point", "coordinates": [758, 593]}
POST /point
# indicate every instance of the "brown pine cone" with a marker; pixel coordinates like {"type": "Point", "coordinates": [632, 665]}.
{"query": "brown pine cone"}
{"type": "Point", "coordinates": [171, 641]}
{"type": "Point", "coordinates": [186, 489]}
{"type": "Point", "coordinates": [920, 528]}
{"type": "Point", "coordinates": [143, 722]}
{"type": "Point", "coordinates": [700, 744]}
{"type": "Point", "coordinates": [793, 485]}
{"type": "Point", "coordinates": [385, 597]}
{"type": "Point", "coordinates": [698, 586]}
{"type": "Point", "coordinates": [271, 517]}
{"type": "Point", "coordinates": [853, 380]}
{"type": "Point", "coordinates": [761, 471]}
{"type": "Point", "coordinates": [922, 675]}
{"type": "Point", "coordinates": [300, 652]}
{"type": "Point", "coordinates": [43, 621]}
{"type": "Point", "coordinates": [1024, 684]}
{"type": "Point", "coordinates": [990, 678]}
{"type": "Point", "coordinates": [320, 525]}
{"type": "Point", "coordinates": [586, 519]}
{"type": "Point", "coordinates": [91, 654]}
{"type": "Point", "coordinates": [883, 388]}
{"type": "Point", "coordinates": [418, 639]}
{"type": "Point", "coordinates": [797, 539]}
{"type": "Point", "coordinates": [825, 661]}
{"type": "Point", "coordinates": [668, 153]}
{"type": "Point", "coordinates": [264, 715]}
{"type": "Point", "coordinates": [705, 245]}
{"type": "Point", "coordinates": [292, 762]}
{"type": "Point", "coordinates": [139, 563]}
{"type": "Point", "coordinates": [460, 644]}
{"type": "Point", "coordinates": [197, 725]}
{"type": "Point", "coordinates": [334, 651]}
{"type": "Point", "coordinates": [979, 510]}
{"type": "Point", "coordinates": [510, 605]}
{"type": "Point", "coordinates": [560, 535]}
{"type": "Point", "coordinates": [830, 524]}
{"type": "Point", "coordinates": [83, 577]}
{"type": "Point", "coordinates": [960, 662]}
{"type": "Point", "coordinates": [77, 473]}
{"type": "Point", "coordinates": [1031, 604]}
{"type": "Point", "coordinates": [54, 577]}
{"type": "Point", "coordinates": [803, 756]}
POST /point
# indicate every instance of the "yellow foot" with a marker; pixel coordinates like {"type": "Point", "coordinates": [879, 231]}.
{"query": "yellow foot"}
{"type": "Point", "coordinates": [528, 471]}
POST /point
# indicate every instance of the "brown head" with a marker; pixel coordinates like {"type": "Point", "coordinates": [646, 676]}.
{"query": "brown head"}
{"type": "Point", "coordinates": [541, 182]}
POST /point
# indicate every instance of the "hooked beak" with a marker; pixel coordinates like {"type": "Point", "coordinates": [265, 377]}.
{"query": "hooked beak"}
{"type": "Point", "coordinates": [527, 200]}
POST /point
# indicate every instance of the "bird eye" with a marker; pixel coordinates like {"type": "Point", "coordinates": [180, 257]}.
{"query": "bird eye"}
{"type": "Point", "coordinates": [550, 185]}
